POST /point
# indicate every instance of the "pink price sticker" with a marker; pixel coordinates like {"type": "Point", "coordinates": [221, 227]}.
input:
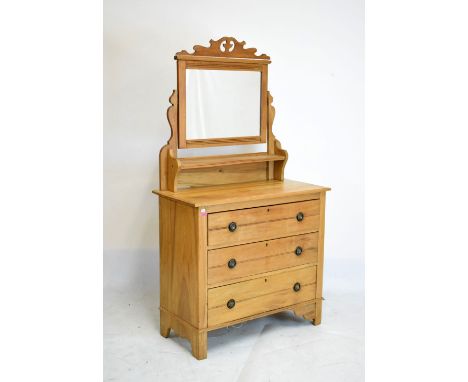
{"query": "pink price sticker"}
{"type": "Point", "coordinates": [203, 212]}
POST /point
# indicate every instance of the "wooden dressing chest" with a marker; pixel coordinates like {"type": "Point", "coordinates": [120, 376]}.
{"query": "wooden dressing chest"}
{"type": "Point", "coordinates": [237, 241]}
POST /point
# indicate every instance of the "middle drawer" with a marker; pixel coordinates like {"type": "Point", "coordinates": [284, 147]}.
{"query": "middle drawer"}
{"type": "Point", "coordinates": [226, 264]}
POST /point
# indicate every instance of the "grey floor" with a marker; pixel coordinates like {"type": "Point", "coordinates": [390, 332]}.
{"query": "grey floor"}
{"type": "Point", "coordinates": [281, 347]}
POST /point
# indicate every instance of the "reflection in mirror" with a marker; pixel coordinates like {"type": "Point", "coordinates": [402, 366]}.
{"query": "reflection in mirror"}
{"type": "Point", "coordinates": [222, 104]}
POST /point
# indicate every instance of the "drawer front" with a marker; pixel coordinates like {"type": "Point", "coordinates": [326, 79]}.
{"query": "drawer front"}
{"type": "Point", "coordinates": [226, 264]}
{"type": "Point", "coordinates": [247, 298]}
{"type": "Point", "coordinates": [263, 223]}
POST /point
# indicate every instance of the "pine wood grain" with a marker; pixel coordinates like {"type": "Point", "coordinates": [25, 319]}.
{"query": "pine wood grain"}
{"type": "Point", "coordinates": [245, 192]}
{"type": "Point", "coordinates": [198, 337]}
{"type": "Point", "coordinates": [236, 141]}
{"type": "Point", "coordinates": [246, 308]}
{"type": "Point", "coordinates": [183, 262]}
{"type": "Point", "coordinates": [171, 143]}
{"type": "Point", "coordinates": [226, 160]}
{"type": "Point", "coordinates": [321, 239]}
{"type": "Point", "coordinates": [306, 307]}
{"type": "Point", "coordinates": [256, 224]}
{"type": "Point", "coordinates": [307, 310]}
{"type": "Point", "coordinates": [218, 60]}
{"type": "Point", "coordinates": [172, 166]}
{"type": "Point", "coordinates": [224, 47]}
{"type": "Point", "coordinates": [232, 174]}
{"type": "Point", "coordinates": [239, 64]}
{"type": "Point", "coordinates": [182, 109]}
{"type": "Point", "coordinates": [265, 293]}
{"type": "Point", "coordinates": [249, 189]}
{"type": "Point", "coordinates": [261, 257]}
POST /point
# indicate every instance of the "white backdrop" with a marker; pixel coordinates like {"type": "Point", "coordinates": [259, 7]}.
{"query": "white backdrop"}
{"type": "Point", "coordinates": [316, 79]}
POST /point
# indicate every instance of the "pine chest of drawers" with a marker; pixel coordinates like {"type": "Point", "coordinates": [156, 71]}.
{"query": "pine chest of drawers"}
{"type": "Point", "coordinates": [237, 241]}
{"type": "Point", "coordinates": [232, 253]}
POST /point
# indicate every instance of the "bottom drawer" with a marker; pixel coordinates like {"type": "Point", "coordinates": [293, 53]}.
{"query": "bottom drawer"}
{"type": "Point", "coordinates": [247, 298]}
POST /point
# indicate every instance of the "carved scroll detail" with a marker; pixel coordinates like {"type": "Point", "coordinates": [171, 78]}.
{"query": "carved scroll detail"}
{"type": "Point", "coordinates": [171, 143]}
{"type": "Point", "coordinates": [224, 47]}
{"type": "Point", "coordinates": [172, 117]}
{"type": "Point", "coordinates": [271, 118]}
{"type": "Point", "coordinates": [276, 169]}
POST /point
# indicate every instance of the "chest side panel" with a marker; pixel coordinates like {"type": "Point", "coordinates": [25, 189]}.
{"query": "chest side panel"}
{"type": "Point", "coordinates": [183, 261]}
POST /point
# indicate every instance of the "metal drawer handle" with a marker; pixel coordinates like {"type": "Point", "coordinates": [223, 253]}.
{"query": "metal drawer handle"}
{"type": "Point", "coordinates": [231, 303]}
{"type": "Point", "coordinates": [298, 251]}
{"type": "Point", "coordinates": [232, 226]}
{"type": "Point", "coordinates": [297, 287]}
{"type": "Point", "coordinates": [232, 263]}
{"type": "Point", "coordinates": [300, 216]}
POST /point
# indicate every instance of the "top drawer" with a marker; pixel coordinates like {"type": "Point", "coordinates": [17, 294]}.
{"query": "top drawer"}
{"type": "Point", "coordinates": [262, 223]}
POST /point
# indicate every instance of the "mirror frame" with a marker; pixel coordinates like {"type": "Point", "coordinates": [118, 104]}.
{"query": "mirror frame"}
{"type": "Point", "coordinates": [224, 54]}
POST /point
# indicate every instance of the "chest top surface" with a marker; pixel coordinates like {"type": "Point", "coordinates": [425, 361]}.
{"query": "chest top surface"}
{"type": "Point", "coordinates": [241, 192]}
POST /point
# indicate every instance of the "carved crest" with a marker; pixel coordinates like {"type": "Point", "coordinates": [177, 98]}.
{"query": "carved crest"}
{"type": "Point", "coordinates": [224, 47]}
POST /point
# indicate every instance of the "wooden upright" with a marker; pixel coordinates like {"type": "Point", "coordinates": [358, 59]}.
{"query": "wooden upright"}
{"type": "Point", "coordinates": [237, 241]}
